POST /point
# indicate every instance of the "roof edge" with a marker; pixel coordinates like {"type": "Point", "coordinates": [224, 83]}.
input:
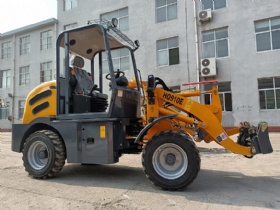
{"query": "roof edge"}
{"type": "Point", "coordinates": [29, 27]}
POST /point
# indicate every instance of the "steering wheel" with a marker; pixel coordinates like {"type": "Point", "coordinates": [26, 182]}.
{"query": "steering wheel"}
{"type": "Point", "coordinates": [117, 73]}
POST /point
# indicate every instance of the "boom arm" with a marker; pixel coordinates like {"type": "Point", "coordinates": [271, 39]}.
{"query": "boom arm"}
{"type": "Point", "coordinates": [204, 119]}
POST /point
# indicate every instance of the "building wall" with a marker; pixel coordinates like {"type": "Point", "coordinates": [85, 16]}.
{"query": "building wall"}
{"type": "Point", "coordinates": [32, 59]}
{"type": "Point", "coordinates": [242, 67]}
{"type": "Point", "coordinates": [245, 65]}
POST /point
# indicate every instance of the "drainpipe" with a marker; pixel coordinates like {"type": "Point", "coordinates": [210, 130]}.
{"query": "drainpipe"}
{"type": "Point", "coordinates": [14, 83]}
{"type": "Point", "coordinates": [196, 45]}
{"type": "Point", "coordinates": [55, 35]}
{"type": "Point", "coordinates": [186, 18]}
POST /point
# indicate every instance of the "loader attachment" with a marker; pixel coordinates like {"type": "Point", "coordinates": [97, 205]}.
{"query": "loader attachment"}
{"type": "Point", "coordinates": [261, 142]}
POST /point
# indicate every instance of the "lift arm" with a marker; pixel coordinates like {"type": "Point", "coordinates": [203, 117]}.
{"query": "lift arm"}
{"type": "Point", "coordinates": [207, 119]}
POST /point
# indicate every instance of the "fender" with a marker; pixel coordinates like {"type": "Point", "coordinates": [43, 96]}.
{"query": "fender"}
{"type": "Point", "coordinates": [147, 127]}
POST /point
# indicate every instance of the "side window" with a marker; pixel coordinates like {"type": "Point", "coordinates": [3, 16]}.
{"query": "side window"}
{"type": "Point", "coordinates": [46, 72]}
{"type": "Point", "coordinates": [70, 26]}
{"type": "Point", "coordinates": [225, 95]}
{"type": "Point", "coordinates": [69, 4]}
{"type": "Point", "coordinates": [24, 75]}
{"type": "Point", "coordinates": [166, 10]}
{"type": "Point", "coordinates": [24, 47]}
{"type": "Point", "coordinates": [269, 93]}
{"type": "Point", "coordinates": [5, 77]}
{"type": "Point", "coordinates": [168, 52]}
{"type": "Point", "coordinates": [213, 4]}
{"type": "Point", "coordinates": [46, 40]}
{"type": "Point", "coordinates": [267, 34]}
{"type": "Point", "coordinates": [4, 109]}
{"type": "Point", "coordinates": [20, 109]}
{"type": "Point", "coordinates": [121, 15]}
{"type": "Point", "coordinates": [6, 50]}
{"type": "Point", "coordinates": [120, 59]}
{"type": "Point", "coordinates": [215, 43]}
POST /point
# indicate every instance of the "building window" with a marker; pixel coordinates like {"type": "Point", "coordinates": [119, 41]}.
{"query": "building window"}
{"type": "Point", "coordinates": [6, 50]}
{"type": "Point", "coordinates": [4, 110]}
{"type": "Point", "coordinates": [120, 59]}
{"type": "Point", "coordinates": [269, 93]}
{"type": "Point", "coordinates": [225, 95]}
{"type": "Point", "coordinates": [213, 4]}
{"type": "Point", "coordinates": [46, 40]}
{"type": "Point", "coordinates": [215, 43]}
{"type": "Point", "coordinates": [168, 51]}
{"type": "Point", "coordinates": [69, 4]}
{"type": "Point", "coordinates": [70, 26]}
{"type": "Point", "coordinates": [5, 79]}
{"type": "Point", "coordinates": [166, 10]}
{"type": "Point", "coordinates": [268, 34]}
{"type": "Point", "coordinates": [24, 45]}
{"type": "Point", "coordinates": [46, 72]}
{"type": "Point", "coordinates": [20, 109]}
{"type": "Point", "coordinates": [24, 75]}
{"type": "Point", "coordinates": [121, 15]}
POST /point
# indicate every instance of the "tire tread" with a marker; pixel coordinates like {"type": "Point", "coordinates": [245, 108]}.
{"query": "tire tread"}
{"type": "Point", "coordinates": [60, 154]}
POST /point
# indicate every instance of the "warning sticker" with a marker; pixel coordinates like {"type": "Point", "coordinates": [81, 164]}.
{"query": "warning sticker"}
{"type": "Point", "coordinates": [221, 137]}
{"type": "Point", "coordinates": [120, 93]}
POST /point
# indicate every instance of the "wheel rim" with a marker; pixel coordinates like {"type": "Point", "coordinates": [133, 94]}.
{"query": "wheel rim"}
{"type": "Point", "coordinates": [38, 155]}
{"type": "Point", "coordinates": [170, 161]}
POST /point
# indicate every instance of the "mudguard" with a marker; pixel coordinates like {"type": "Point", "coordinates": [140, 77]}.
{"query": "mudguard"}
{"type": "Point", "coordinates": [148, 126]}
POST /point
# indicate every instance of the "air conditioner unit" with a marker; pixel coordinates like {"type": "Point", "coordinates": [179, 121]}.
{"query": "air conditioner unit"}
{"type": "Point", "coordinates": [205, 15]}
{"type": "Point", "coordinates": [208, 67]}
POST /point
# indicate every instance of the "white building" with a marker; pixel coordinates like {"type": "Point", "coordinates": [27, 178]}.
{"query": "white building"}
{"type": "Point", "coordinates": [241, 39]}
{"type": "Point", "coordinates": [27, 58]}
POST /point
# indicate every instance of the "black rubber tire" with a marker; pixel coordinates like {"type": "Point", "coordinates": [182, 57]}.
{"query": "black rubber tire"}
{"type": "Point", "coordinates": [186, 147]}
{"type": "Point", "coordinates": [50, 145]}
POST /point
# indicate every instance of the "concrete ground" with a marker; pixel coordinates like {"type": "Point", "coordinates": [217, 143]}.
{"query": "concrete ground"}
{"type": "Point", "coordinates": [226, 181]}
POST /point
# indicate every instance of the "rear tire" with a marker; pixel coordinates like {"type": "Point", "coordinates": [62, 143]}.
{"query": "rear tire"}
{"type": "Point", "coordinates": [171, 160]}
{"type": "Point", "coordinates": [44, 154]}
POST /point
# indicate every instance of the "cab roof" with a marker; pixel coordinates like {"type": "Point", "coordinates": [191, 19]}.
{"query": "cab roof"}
{"type": "Point", "coordinates": [87, 40]}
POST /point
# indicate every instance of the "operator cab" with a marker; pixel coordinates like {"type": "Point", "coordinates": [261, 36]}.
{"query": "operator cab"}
{"type": "Point", "coordinates": [89, 81]}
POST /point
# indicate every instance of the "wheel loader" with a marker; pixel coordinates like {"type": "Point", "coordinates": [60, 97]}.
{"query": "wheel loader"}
{"type": "Point", "coordinates": [95, 115]}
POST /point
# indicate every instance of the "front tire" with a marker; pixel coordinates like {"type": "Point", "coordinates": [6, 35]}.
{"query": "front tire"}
{"type": "Point", "coordinates": [171, 160]}
{"type": "Point", "coordinates": [44, 154]}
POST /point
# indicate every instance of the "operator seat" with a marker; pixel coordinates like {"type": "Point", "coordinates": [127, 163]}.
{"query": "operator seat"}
{"type": "Point", "coordinates": [84, 84]}
{"type": "Point", "coordinates": [85, 99]}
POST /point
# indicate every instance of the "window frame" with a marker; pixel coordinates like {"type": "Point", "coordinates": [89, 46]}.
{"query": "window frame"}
{"type": "Point", "coordinates": [119, 18]}
{"type": "Point", "coordinates": [6, 50]}
{"type": "Point", "coordinates": [70, 26]}
{"type": "Point", "coordinates": [21, 104]}
{"type": "Point", "coordinates": [48, 39]}
{"type": "Point", "coordinates": [104, 60]}
{"type": "Point", "coordinates": [166, 5]}
{"type": "Point", "coordinates": [274, 88]}
{"type": "Point", "coordinates": [46, 74]}
{"type": "Point", "coordinates": [6, 79]}
{"type": "Point", "coordinates": [24, 45]}
{"type": "Point", "coordinates": [270, 30]}
{"type": "Point", "coordinates": [221, 93]}
{"type": "Point", "coordinates": [168, 51]}
{"type": "Point", "coordinates": [6, 110]}
{"type": "Point", "coordinates": [213, 5]}
{"type": "Point", "coordinates": [215, 41]}
{"type": "Point", "coordinates": [23, 79]}
{"type": "Point", "coordinates": [72, 6]}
